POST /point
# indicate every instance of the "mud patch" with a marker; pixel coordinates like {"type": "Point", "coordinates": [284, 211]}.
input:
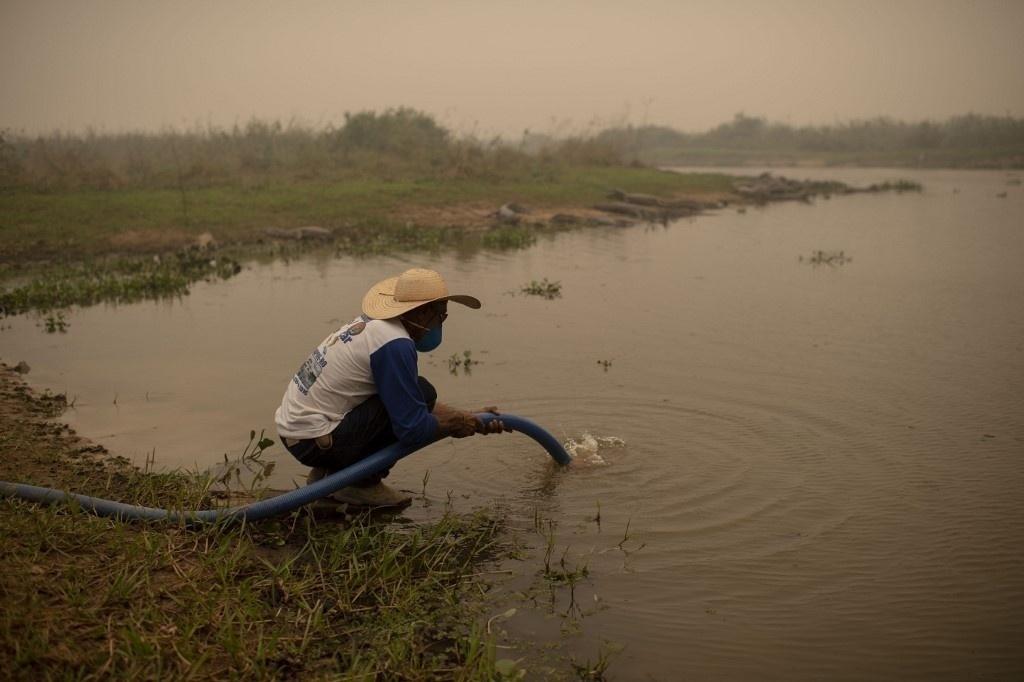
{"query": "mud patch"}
{"type": "Point", "coordinates": [36, 449]}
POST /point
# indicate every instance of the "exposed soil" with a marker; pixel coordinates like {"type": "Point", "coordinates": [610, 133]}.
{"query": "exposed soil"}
{"type": "Point", "coordinates": [37, 449]}
{"type": "Point", "coordinates": [149, 241]}
{"type": "Point", "coordinates": [481, 216]}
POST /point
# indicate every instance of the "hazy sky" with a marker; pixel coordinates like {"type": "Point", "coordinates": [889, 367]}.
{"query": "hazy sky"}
{"type": "Point", "coordinates": [500, 67]}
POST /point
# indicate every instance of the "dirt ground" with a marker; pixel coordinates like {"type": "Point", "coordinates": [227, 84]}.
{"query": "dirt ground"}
{"type": "Point", "coordinates": [483, 215]}
{"type": "Point", "coordinates": [36, 448]}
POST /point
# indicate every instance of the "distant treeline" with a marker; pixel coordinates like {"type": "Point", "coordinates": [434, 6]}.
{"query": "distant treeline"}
{"type": "Point", "coordinates": [403, 143]}
{"type": "Point", "coordinates": [971, 140]}
{"type": "Point", "coordinates": [399, 143]}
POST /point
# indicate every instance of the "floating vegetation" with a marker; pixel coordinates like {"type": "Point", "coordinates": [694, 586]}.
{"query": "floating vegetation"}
{"type": "Point", "coordinates": [898, 186]}
{"type": "Point", "coordinates": [543, 288]}
{"type": "Point", "coordinates": [374, 238]}
{"type": "Point", "coordinates": [464, 362]}
{"type": "Point", "coordinates": [826, 258]}
{"type": "Point", "coordinates": [605, 363]}
{"type": "Point", "coordinates": [55, 322]}
{"type": "Point", "coordinates": [119, 281]}
{"type": "Point", "coordinates": [509, 237]}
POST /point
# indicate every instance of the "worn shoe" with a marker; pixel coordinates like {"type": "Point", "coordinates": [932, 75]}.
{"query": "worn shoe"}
{"type": "Point", "coordinates": [315, 474]}
{"type": "Point", "coordinates": [379, 496]}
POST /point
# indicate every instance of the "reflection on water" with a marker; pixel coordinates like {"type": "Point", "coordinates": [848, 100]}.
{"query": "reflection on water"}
{"type": "Point", "coordinates": [820, 473]}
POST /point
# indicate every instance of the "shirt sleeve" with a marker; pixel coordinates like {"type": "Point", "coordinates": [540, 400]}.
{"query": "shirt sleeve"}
{"type": "Point", "coordinates": [395, 374]}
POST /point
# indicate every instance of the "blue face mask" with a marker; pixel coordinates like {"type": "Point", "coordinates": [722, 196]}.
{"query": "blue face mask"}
{"type": "Point", "coordinates": [430, 340]}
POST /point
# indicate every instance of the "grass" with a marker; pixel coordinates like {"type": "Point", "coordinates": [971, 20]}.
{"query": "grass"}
{"type": "Point", "coordinates": [82, 246]}
{"type": "Point", "coordinates": [81, 215]}
{"type": "Point", "coordinates": [82, 223]}
{"type": "Point", "coordinates": [509, 237]}
{"type": "Point", "coordinates": [87, 598]}
{"type": "Point", "coordinates": [296, 597]}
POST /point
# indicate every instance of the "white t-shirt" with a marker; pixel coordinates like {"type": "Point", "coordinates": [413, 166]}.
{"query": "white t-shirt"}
{"type": "Point", "coordinates": [364, 358]}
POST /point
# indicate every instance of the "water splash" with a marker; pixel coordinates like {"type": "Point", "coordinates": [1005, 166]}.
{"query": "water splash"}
{"type": "Point", "coordinates": [586, 450]}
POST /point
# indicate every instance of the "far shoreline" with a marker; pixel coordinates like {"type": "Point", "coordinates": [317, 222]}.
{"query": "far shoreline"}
{"type": "Point", "coordinates": [86, 246]}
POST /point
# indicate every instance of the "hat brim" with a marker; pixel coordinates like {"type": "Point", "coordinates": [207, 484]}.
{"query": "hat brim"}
{"type": "Point", "coordinates": [380, 304]}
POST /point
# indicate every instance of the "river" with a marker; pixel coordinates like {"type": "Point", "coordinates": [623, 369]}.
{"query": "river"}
{"type": "Point", "coordinates": [801, 471]}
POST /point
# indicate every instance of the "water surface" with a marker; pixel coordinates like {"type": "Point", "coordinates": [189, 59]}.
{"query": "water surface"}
{"type": "Point", "coordinates": [821, 468]}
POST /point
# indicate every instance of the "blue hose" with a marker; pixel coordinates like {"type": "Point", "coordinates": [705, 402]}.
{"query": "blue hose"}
{"type": "Point", "coordinates": [378, 461]}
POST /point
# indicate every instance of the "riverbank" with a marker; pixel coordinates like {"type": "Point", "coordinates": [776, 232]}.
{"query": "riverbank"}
{"type": "Point", "coordinates": [81, 247]}
{"type": "Point", "coordinates": [73, 224]}
{"type": "Point", "coordinates": [299, 596]}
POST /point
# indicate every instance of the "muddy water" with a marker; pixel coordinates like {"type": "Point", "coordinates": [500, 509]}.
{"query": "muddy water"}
{"type": "Point", "coordinates": [819, 474]}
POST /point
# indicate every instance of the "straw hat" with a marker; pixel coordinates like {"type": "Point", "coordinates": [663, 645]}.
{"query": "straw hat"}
{"type": "Point", "coordinates": [396, 295]}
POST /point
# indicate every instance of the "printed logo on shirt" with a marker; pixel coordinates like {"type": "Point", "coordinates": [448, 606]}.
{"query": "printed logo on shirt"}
{"type": "Point", "coordinates": [353, 329]}
{"type": "Point", "coordinates": [310, 371]}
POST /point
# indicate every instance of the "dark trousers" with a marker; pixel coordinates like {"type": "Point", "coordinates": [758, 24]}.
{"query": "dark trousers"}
{"type": "Point", "coordinates": [363, 431]}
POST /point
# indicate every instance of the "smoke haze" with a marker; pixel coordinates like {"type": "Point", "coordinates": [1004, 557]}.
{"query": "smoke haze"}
{"type": "Point", "coordinates": [496, 68]}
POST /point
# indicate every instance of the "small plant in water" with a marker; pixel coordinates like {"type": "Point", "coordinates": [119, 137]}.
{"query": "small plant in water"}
{"type": "Point", "coordinates": [898, 186]}
{"type": "Point", "coordinates": [250, 463]}
{"type": "Point", "coordinates": [596, 670]}
{"type": "Point", "coordinates": [509, 237]}
{"type": "Point", "coordinates": [605, 363]}
{"type": "Point", "coordinates": [543, 288]}
{"type": "Point", "coordinates": [465, 361]}
{"type": "Point", "coordinates": [55, 322]}
{"type": "Point", "coordinates": [826, 258]}
{"type": "Point", "coordinates": [597, 517]}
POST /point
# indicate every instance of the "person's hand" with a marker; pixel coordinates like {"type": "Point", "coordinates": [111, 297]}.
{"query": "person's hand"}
{"type": "Point", "coordinates": [458, 424]}
{"type": "Point", "coordinates": [494, 425]}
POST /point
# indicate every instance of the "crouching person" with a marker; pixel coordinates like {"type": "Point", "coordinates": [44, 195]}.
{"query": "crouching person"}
{"type": "Point", "coordinates": [360, 389]}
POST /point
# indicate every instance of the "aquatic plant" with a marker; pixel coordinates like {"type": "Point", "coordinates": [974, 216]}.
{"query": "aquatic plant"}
{"type": "Point", "coordinates": [544, 289]}
{"type": "Point", "coordinates": [596, 671]}
{"type": "Point", "coordinates": [509, 237]}
{"type": "Point", "coordinates": [826, 258]}
{"type": "Point", "coordinates": [121, 280]}
{"type": "Point", "coordinates": [249, 464]}
{"type": "Point", "coordinates": [465, 362]}
{"type": "Point", "coordinates": [898, 186]}
{"type": "Point", "coordinates": [382, 238]}
{"type": "Point", "coordinates": [55, 322]}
